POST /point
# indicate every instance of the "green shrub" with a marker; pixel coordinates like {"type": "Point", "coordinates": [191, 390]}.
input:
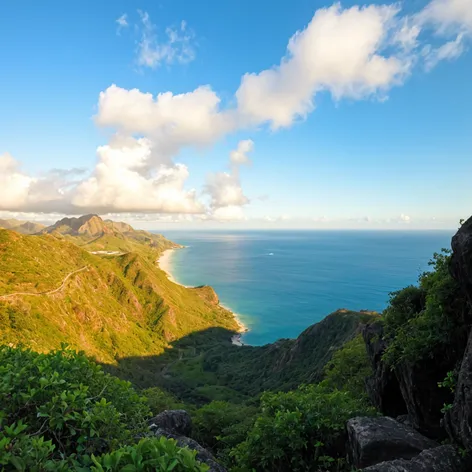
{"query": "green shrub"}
{"type": "Point", "coordinates": [419, 320]}
{"type": "Point", "coordinates": [220, 426]}
{"type": "Point", "coordinates": [149, 455]}
{"type": "Point", "coordinates": [348, 368]}
{"type": "Point", "coordinates": [301, 430]}
{"type": "Point", "coordinates": [61, 412]}
{"type": "Point", "coordinates": [159, 400]}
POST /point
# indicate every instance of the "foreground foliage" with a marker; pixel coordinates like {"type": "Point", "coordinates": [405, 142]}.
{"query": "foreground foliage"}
{"type": "Point", "coordinates": [61, 412]}
{"type": "Point", "coordinates": [301, 430]}
{"type": "Point", "coordinates": [422, 319]}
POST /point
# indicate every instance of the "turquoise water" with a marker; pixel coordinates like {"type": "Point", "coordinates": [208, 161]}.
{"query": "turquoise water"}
{"type": "Point", "coordinates": [280, 282]}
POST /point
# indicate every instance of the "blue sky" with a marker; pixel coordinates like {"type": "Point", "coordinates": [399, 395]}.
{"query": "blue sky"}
{"type": "Point", "coordinates": [376, 137]}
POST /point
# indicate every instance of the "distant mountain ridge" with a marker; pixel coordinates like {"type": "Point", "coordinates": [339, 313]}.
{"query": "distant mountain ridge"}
{"type": "Point", "coordinates": [95, 234]}
{"type": "Point", "coordinates": [23, 227]}
{"type": "Point", "coordinates": [89, 225]}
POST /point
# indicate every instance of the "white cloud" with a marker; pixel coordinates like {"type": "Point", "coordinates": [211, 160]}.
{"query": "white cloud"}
{"type": "Point", "coordinates": [239, 155]}
{"type": "Point", "coordinates": [448, 51]}
{"type": "Point", "coordinates": [122, 22]}
{"type": "Point", "coordinates": [125, 179]}
{"type": "Point", "coordinates": [358, 52]}
{"type": "Point", "coordinates": [339, 51]}
{"type": "Point", "coordinates": [405, 218]}
{"type": "Point", "coordinates": [448, 18]}
{"type": "Point", "coordinates": [448, 15]}
{"type": "Point", "coordinates": [176, 48]}
{"type": "Point", "coordinates": [21, 192]}
{"type": "Point", "coordinates": [191, 118]}
{"type": "Point", "coordinates": [224, 188]}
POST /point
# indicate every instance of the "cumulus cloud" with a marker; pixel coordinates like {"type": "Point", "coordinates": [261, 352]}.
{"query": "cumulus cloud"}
{"type": "Point", "coordinates": [340, 51]}
{"type": "Point", "coordinates": [177, 47]}
{"type": "Point", "coordinates": [405, 218]}
{"type": "Point", "coordinates": [192, 118]}
{"type": "Point", "coordinates": [224, 188]}
{"type": "Point", "coordinates": [356, 53]}
{"type": "Point", "coordinates": [125, 180]}
{"type": "Point", "coordinates": [239, 155]}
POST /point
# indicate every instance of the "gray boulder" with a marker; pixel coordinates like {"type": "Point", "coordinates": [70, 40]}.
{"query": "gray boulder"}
{"type": "Point", "coordinates": [439, 459]}
{"type": "Point", "coordinates": [374, 440]}
{"type": "Point", "coordinates": [177, 422]}
{"type": "Point", "coordinates": [203, 455]}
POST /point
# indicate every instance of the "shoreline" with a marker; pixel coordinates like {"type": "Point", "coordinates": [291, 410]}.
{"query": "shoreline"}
{"type": "Point", "coordinates": [164, 263]}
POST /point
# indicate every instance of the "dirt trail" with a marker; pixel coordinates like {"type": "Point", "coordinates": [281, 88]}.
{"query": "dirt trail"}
{"type": "Point", "coordinates": [47, 292]}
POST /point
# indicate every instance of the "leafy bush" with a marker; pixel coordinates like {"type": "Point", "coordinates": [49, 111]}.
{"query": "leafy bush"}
{"type": "Point", "coordinates": [149, 455]}
{"type": "Point", "coordinates": [421, 319]}
{"type": "Point", "coordinates": [61, 412]}
{"type": "Point", "coordinates": [220, 426]}
{"type": "Point", "coordinates": [159, 400]}
{"type": "Point", "coordinates": [348, 368]}
{"type": "Point", "coordinates": [301, 430]}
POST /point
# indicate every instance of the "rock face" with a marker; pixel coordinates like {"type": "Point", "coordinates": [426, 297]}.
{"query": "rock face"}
{"type": "Point", "coordinates": [458, 420]}
{"type": "Point", "coordinates": [421, 394]}
{"type": "Point", "coordinates": [374, 440]}
{"type": "Point", "coordinates": [383, 387]}
{"type": "Point", "coordinates": [177, 424]}
{"type": "Point", "coordinates": [461, 260]}
{"type": "Point", "coordinates": [439, 459]}
{"type": "Point", "coordinates": [174, 421]}
{"type": "Point", "coordinates": [409, 388]}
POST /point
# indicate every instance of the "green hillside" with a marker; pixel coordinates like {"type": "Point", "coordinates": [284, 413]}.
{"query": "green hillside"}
{"type": "Point", "coordinates": [52, 291]}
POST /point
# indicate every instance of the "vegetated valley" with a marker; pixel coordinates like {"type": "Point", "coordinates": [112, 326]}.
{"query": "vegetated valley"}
{"type": "Point", "coordinates": [107, 365]}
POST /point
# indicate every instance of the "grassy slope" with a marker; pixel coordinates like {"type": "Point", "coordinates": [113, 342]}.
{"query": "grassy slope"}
{"type": "Point", "coordinates": [120, 307]}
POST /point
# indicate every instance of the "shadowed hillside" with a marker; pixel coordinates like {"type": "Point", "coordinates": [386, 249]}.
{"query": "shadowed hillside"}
{"type": "Point", "coordinates": [205, 366]}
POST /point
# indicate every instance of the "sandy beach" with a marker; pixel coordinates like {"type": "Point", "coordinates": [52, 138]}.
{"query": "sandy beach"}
{"type": "Point", "coordinates": [165, 263]}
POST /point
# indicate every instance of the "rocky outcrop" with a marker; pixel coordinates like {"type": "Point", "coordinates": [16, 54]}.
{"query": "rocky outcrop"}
{"type": "Point", "coordinates": [423, 397]}
{"type": "Point", "coordinates": [203, 455]}
{"type": "Point", "coordinates": [458, 420]}
{"type": "Point", "coordinates": [177, 424]}
{"type": "Point", "coordinates": [439, 459]}
{"type": "Point", "coordinates": [461, 261]}
{"type": "Point", "coordinates": [175, 421]}
{"type": "Point", "coordinates": [409, 388]}
{"type": "Point", "coordinates": [382, 387]}
{"type": "Point", "coordinates": [374, 440]}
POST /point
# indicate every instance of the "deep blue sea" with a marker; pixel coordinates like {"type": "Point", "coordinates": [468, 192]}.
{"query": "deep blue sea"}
{"type": "Point", "coordinates": [280, 282]}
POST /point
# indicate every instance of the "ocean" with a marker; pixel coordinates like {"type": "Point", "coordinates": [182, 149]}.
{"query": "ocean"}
{"type": "Point", "coordinates": [280, 282]}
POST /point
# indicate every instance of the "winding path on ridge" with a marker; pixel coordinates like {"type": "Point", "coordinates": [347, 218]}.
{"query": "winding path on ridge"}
{"type": "Point", "coordinates": [47, 292]}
